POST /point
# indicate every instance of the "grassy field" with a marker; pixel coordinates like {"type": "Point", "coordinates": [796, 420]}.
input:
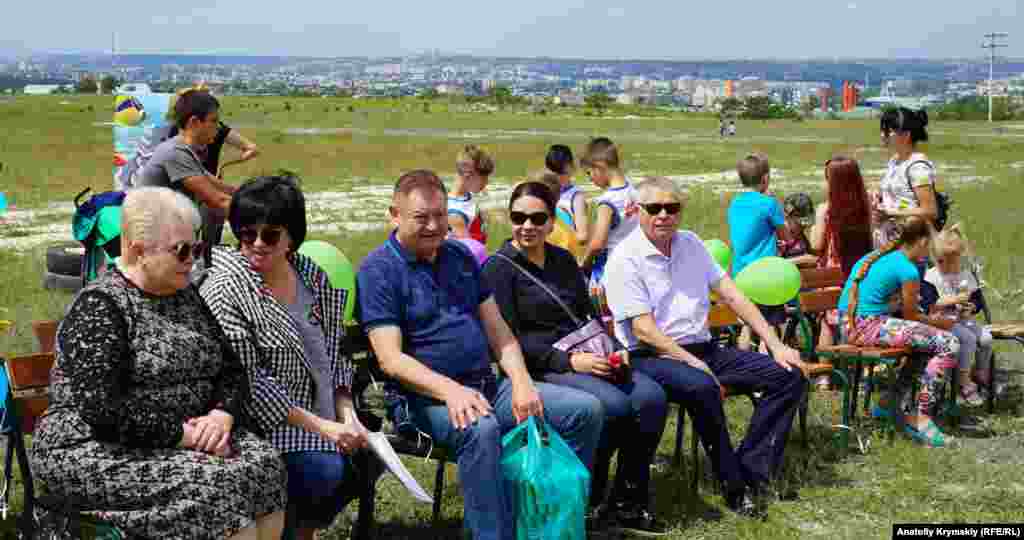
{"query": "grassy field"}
{"type": "Point", "coordinates": [348, 159]}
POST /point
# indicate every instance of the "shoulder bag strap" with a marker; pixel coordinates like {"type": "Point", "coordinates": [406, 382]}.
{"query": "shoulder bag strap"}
{"type": "Point", "coordinates": [541, 284]}
{"type": "Point", "coordinates": [906, 175]}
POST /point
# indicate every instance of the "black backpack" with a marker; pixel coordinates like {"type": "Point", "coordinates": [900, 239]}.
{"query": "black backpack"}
{"type": "Point", "coordinates": [942, 200]}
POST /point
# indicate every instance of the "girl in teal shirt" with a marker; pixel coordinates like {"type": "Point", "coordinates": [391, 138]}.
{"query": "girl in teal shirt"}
{"type": "Point", "coordinates": [865, 316]}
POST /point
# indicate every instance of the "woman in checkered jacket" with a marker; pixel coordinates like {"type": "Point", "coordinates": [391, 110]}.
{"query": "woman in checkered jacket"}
{"type": "Point", "coordinates": [285, 322]}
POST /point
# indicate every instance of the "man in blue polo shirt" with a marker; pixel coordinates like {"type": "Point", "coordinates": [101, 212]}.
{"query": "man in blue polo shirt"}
{"type": "Point", "coordinates": [433, 323]}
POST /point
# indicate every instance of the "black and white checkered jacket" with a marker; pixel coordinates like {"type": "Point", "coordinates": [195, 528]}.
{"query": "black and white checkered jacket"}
{"type": "Point", "coordinates": [263, 334]}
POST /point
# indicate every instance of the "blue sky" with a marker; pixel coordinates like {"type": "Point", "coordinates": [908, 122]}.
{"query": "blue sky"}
{"type": "Point", "coordinates": [572, 28]}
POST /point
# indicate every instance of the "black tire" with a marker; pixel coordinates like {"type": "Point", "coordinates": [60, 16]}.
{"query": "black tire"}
{"type": "Point", "coordinates": [61, 282]}
{"type": "Point", "coordinates": [65, 259]}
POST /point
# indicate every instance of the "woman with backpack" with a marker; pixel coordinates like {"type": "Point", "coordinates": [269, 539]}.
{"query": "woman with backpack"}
{"type": "Point", "coordinates": [908, 187]}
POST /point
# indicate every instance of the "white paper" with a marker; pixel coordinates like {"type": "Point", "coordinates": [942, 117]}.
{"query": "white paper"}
{"type": "Point", "coordinates": [380, 446]}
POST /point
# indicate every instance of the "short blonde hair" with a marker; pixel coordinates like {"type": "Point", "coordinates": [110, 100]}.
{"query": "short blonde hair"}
{"type": "Point", "coordinates": [752, 169]}
{"type": "Point", "coordinates": [148, 212]}
{"type": "Point", "coordinates": [950, 241]}
{"type": "Point", "coordinates": [601, 150]}
{"type": "Point", "coordinates": [475, 157]}
{"type": "Point", "coordinates": [651, 186]}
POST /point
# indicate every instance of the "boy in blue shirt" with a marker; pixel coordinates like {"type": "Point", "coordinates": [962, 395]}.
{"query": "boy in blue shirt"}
{"type": "Point", "coordinates": [753, 222]}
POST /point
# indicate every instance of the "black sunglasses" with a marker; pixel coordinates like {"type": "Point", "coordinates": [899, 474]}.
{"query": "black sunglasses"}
{"type": "Point", "coordinates": [656, 208]}
{"type": "Point", "coordinates": [270, 236]}
{"type": "Point", "coordinates": [184, 250]}
{"type": "Point", "coordinates": [537, 218]}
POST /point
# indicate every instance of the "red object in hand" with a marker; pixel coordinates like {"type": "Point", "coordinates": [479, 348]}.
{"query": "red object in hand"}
{"type": "Point", "coordinates": [620, 369]}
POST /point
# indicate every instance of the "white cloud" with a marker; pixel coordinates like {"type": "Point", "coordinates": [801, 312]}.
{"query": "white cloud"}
{"type": "Point", "coordinates": [616, 12]}
{"type": "Point", "coordinates": [851, 5]}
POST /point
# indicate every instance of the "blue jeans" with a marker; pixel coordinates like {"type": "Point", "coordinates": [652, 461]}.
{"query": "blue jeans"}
{"type": "Point", "coordinates": [488, 502]}
{"type": "Point", "coordinates": [634, 421]}
{"type": "Point", "coordinates": [760, 454]}
{"type": "Point", "coordinates": [313, 482]}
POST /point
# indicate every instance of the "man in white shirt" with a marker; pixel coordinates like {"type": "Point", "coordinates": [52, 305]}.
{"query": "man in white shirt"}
{"type": "Point", "coordinates": [659, 283]}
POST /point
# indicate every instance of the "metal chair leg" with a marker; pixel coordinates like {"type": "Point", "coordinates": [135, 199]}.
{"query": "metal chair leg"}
{"type": "Point", "coordinates": [858, 371]}
{"type": "Point", "coordinates": [680, 428]}
{"type": "Point", "coordinates": [992, 384]}
{"type": "Point", "coordinates": [28, 512]}
{"type": "Point", "coordinates": [367, 508]}
{"type": "Point", "coordinates": [438, 490]}
{"type": "Point", "coordinates": [804, 404]}
{"type": "Point", "coordinates": [696, 461]}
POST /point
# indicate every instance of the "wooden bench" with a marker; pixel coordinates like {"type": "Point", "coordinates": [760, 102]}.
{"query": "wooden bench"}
{"type": "Point", "coordinates": [723, 323]}
{"type": "Point", "coordinates": [1002, 331]}
{"type": "Point", "coordinates": [852, 359]}
{"type": "Point", "coordinates": [29, 377]}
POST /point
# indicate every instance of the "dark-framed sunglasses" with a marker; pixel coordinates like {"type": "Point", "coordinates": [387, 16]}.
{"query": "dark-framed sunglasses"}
{"type": "Point", "coordinates": [537, 218]}
{"type": "Point", "coordinates": [654, 209]}
{"type": "Point", "coordinates": [270, 235]}
{"type": "Point", "coordinates": [183, 250]}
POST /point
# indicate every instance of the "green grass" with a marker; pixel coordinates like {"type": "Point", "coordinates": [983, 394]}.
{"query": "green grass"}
{"type": "Point", "coordinates": [52, 151]}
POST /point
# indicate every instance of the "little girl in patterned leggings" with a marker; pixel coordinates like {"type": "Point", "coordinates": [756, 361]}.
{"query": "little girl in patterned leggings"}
{"type": "Point", "coordinates": [864, 312]}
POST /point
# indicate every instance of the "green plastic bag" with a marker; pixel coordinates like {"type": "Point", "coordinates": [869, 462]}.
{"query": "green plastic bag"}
{"type": "Point", "coordinates": [550, 483]}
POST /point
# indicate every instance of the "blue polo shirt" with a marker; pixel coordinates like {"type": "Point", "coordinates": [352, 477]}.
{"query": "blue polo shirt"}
{"type": "Point", "coordinates": [435, 305]}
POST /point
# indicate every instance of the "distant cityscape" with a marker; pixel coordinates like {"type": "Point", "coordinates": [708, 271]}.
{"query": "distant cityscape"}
{"type": "Point", "coordinates": [690, 85]}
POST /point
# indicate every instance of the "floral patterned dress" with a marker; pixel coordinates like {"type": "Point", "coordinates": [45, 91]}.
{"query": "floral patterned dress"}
{"type": "Point", "coordinates": [130, 369]}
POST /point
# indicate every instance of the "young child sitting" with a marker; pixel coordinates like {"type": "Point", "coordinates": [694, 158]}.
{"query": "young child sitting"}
{"type": "Point", "coordinates": [572, 203]}
{"type": "Point", "coordinates": [793, 243]}
{"type": "Point", "coordinates": [753, 223]}
{"type": "Point", "coordinates": [955, 287]}
{"type": "Point", "coordinates": [562, 234]}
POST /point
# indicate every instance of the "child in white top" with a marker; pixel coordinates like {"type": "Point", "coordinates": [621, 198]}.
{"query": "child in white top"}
{"type": "Point", "coordinates": [616, 216]}
{"type": "Point", "coordinates": [616, 207]}
{"type": "Point", "coordinates": [465, 219]}
{"type": "Point", "coordinates": [955, 287]}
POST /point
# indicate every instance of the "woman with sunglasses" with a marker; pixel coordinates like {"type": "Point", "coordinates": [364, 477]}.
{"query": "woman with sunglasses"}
{"type": "Point", "coordinates": [285, 322]}
{"type": "Point", "coordinates": [908, 187]}
{"type": "Point", "coordinates": [634, 404]}
{"type": "Point", "coordinates": [145, 427]}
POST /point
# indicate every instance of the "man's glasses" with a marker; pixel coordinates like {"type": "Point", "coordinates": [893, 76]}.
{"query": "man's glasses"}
{"type": "Point", "coordinates": [654, 209]}
{"type": "Point", "coordinates": [183, 250]}
{"type": "Point", "coordinates": [537, 218]}
{"type": "Point", "coordinates": [270, 236]}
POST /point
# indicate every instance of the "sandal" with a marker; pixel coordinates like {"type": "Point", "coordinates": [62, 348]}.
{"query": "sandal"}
{"type": "Point", "coordinates": [930, 436]}
{"type": "Point", "coordinates": [969, 394]}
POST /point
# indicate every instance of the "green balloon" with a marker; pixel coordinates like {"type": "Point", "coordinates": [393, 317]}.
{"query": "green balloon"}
{"type": "Point", "coordinates": [770, 281]}
{"type": "Point", "coordinates": [720, 252]}
{"type": "Point", "coordinates": [340, 273]}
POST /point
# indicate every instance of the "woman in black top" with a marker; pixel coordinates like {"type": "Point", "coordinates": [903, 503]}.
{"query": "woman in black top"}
{"type": "Point", "coordinates": [635, 409]}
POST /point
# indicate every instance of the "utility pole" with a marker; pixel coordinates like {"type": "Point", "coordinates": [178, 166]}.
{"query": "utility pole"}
{"type": "Point", "coordinates": [992, 45]}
